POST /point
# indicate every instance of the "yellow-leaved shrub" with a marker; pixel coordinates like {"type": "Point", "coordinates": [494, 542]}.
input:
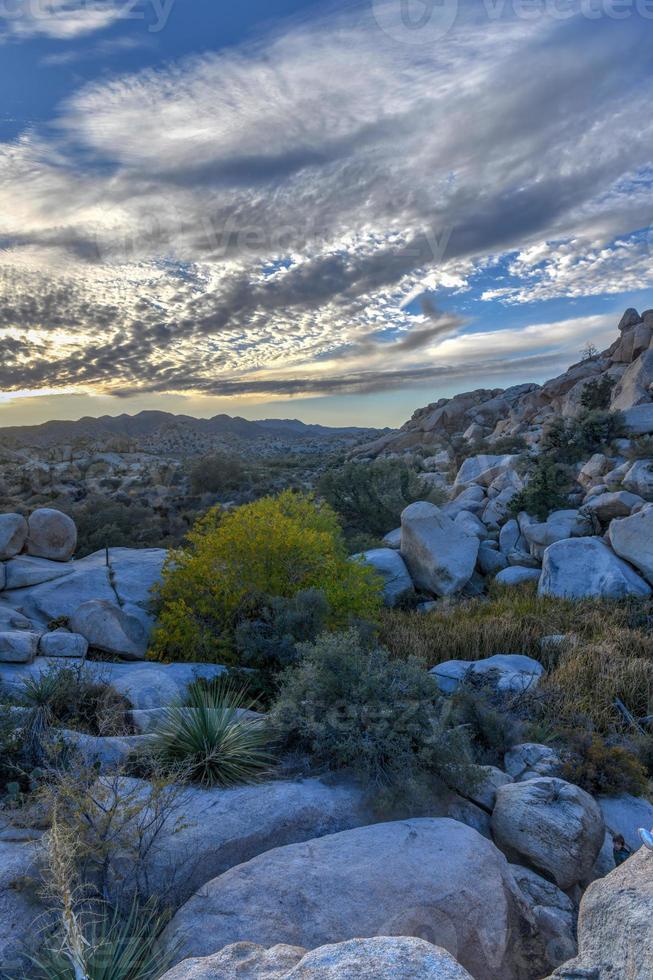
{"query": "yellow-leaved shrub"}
{"type": "Point", "coordinates": [276, 546]}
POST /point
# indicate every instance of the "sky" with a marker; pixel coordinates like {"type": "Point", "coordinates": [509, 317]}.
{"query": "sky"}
{"type": "Point", "coordinates": [335, 212]}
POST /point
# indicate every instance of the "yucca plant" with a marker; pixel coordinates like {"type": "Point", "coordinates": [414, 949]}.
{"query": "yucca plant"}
{"type": "Point", "coordinates": [212, 738]}
{"type": "Point", "coordinates": [111, 948]}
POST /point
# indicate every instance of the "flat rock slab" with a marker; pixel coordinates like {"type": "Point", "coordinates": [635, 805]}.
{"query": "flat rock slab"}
{"type": "Point", "coordinates": [507, 671]}
{"type": "Point", "coordinates": [145, 685]}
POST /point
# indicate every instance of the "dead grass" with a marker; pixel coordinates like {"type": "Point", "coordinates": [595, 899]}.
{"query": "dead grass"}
{"type": "Point", "coordinates": [613, 656]}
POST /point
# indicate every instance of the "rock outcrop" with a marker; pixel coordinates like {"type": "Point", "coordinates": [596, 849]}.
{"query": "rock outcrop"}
{"type": "Point", "coordinates": [381, 958]}
{"type": "Point", "coordinates": [420, 877]}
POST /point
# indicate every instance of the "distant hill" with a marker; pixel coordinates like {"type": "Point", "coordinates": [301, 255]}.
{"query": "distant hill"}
{"type": "Point", "coordinates": [163, 432]}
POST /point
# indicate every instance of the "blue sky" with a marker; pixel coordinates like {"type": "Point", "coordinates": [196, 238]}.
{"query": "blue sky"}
{"type": "Point", "coordinates": [335, 212]}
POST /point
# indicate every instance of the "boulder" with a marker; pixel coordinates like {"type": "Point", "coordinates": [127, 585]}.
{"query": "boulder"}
{"type": "Point", "coordinates": [482, 470]}
{"type": "Point", "coordinates": [634, 386]}
{"type": "Point", "coordinates": [615, 925]}
{"type": "Point", "coordinates": [592, 471]}
{"type": "Point", "coordinates": [509, 536]}
{"type": "Point", "coordinates": [61, 643]}
{"type": "Point", "coordinates": [24, 571]}
{"type": "Point", "coordinates": [393, 539]}
{"type": "Point", "coordinates": [625, 814]}
{"type": "Point", "coordinates": [517, 575]}
{"type": "Point", "coordinates": [108, 628]}
{"type": "Point", "coordinates": [20, 908]}
{"type": "Point", "coordinates": [553, 912]}
{"type": "Point", "coordinates": [107, 751]}
{"type": "Point", "coordinates": [13, 535]}
{"type": "Point", "coordinates": [51, 534]}
{"type": "Point", "coordinates": [632, 539]}
{"type": "Point", "coordinates": [212, 830]}
{"type": "Point", "coordinates": [440, 556]}
{"type": "Point", "coordinates": [629, 319]}
{"type": "Point", "coordinates": [561, 524]}
{"type": "Point", "coordinates": [392, 569]}
{"type": "Point", "coordinates": [484, 790]}
{"type": "Point", "coordinates": [582, 568]}
{"type": "Point", "coordinates": [530, 760]}
{"type": "Point", "coordinates": [505, 671]}
{"type": "Point", "coordinates": [496, 511]}
{"type": "Point", "coordinates": [553, 825]}
{"type": "Point", "coordinates": [472, 500]}
{"type": "Point", "coordinates": [380, 958]}
{"type": "Point", "coordinates": [638, 420]}
{"type": "Point", "coordinates": [606, 506]}
{"type": "Point", "coordinates": [418, 877]}
{"type": "Point", "coordinates": [471, 524]}
{"type": "Point", "coordinates": [638, 478]}
{"type": "Point", "coordinates": [490, 561]}
{"type": "Point", "coordinates": [18, 647]}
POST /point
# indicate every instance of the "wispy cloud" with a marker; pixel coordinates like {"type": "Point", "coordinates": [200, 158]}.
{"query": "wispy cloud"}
{"type": "Point", "coordinates": [262, 219]}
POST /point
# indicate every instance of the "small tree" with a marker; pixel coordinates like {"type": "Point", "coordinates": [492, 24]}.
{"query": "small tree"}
{"type": "Point", "coordinates": [276, 546]}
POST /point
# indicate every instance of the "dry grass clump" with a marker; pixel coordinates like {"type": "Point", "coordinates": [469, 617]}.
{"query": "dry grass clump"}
{"type": "Point", "coordinates": [514, 621]}
{"type": "Point", "coordinates": [589, 678]}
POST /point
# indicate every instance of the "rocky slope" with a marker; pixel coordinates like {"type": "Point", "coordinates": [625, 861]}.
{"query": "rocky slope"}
{"type": "Point", "coordinates": [523, 410]}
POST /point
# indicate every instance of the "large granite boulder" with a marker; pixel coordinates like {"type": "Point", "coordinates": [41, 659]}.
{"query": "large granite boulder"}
{"type": "Point", "coordinates": [634, 387]}
{"type": "Point", "coordinates": [553, 912]}
{"type": "Point", "coordinates": [606, 506]}
{"type": "Point", "coordinates": [632, 539]}
{"type": "Point", "coordinates": [432, 878]}
{"type": "Point", "coordinates": [504, 671]}
{"type": "Point", "coordinates": [560, 525]}
{"type": "Point", "coordinates": [440, 556]}
{"type": "Point", "coordinates": [392, 569]}
{"type": "Point", "coordinates": [51, 534]}
{"type": "Point", "coordinates": [639, 419]}
{"type": "Point", "coordinates": [551, 824]}
{"type": "Point", "coordinates": [109, 629]}
{"type": "Point", "coordinates": [62, 643]}
{"type": "Point", "coordinates": [583, 568]}
{"type": "Point", "coordinates": [13, 535]}
{"type": "Point", "coordinates": [615, 925]}
{"type": "Point", "coordinates": [380, 958]}
{"type": "Point", "coordinates": [212, 830]}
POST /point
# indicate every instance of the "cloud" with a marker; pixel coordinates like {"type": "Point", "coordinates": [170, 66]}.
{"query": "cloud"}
{"type": "Point", "coordinates": [60, 19]}
{"type": "Point", "coordinates": [262, 219]}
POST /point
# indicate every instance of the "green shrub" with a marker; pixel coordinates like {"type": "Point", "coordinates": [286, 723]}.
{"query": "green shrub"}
{"type": "Point", "coordinates": [102, 523]}
{"type": "Point", "coordinates": [596, 393]}
{"type": "Point", "coordinates": [350, 706]}
{"type": "Point", "coordinates": [571, 439]}
{"type": "Point", "coordinates": [370, 497]}
{"type": "Point", "coordinates": [602, 769]}
{"type": "Point", "coordinates": [276, 546]}
{"type": "Point", "coordinates": [547, 489]}
{"type": "Point", "coordinates": [217, 473]}
{"type": "Point", "coordinates": [210, 739]}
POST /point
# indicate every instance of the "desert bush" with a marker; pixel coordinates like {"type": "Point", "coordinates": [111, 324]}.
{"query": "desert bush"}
{"type": "Point", "coordinates": [369, 497]}
{"type": "Point", "coordinates": [277, 546]}
{"type": "Point", "coordinates": [596, 393]}
{"type": "Point", "coordinates": [350, 706]}
{"type": "Point", "coordinates": [102, 522]}
{"type": "Point", "coordinates": [548, 487]}
{"type": "Point", "coordinates": [602, 769]}
{"type": "Point", "coordinates": [487, 716]}
{"type": "Point", "coordinates": [217, 473]}
{"type": "Point", "coordinates": [211, 738]}
{"type": "Point", "coordinates": [71, 698]}
{"type": "Point", "coordinates": [571, 439]}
